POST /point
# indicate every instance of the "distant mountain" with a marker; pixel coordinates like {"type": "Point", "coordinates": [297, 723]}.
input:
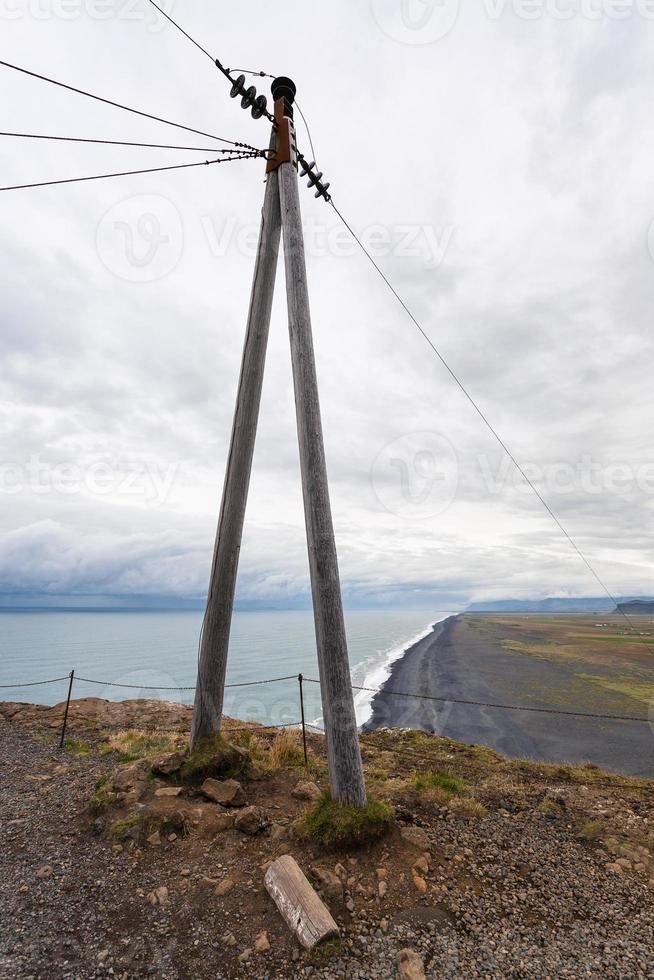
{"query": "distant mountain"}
{"type": "Point", "coordinates": [568, 604]}
{"type": "Point", "coordinates": [637, 607]}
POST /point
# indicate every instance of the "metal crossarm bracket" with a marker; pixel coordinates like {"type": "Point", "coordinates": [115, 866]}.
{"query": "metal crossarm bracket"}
{"type": "Point", "coordinates": [283, 142]}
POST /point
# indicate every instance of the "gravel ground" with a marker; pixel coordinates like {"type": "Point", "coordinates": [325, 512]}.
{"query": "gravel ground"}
{"type": "Point", "coordinates": [510, 896]}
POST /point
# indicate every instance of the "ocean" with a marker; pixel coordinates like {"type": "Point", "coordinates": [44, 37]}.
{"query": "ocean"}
{"type": "Point", "coordinates": [158, 649]}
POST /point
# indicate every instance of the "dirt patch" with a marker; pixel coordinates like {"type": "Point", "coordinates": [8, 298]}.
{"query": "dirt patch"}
{"type": "Point", "coordinates": [552, 871]}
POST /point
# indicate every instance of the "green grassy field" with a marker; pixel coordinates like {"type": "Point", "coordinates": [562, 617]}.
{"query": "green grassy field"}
{"type": "Point", "coordinates": [601, 664]}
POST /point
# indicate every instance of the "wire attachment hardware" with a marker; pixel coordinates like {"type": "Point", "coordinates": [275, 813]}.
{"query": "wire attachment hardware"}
{"type": "Point", "coordinates": [258, 104]}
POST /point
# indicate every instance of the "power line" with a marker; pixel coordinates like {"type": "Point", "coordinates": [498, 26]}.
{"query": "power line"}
{"type": "Point", "coordinates": [247, 102]}
{"type": "Point", "coordinates": [118, 105]}
{"type": "Point", "coordinates": [436, 351]}
{"type": "Point", "coordinates": [154, 146]}
{"type": "Point", "coordinates": [182, 31]}
{"type": "Point", "coordinates": [484, 418]}
{"type": "Point", "coordinates": [227, 71]}
{"type": "Point", "coordinates": [126, 173]}
{"type": "Point", "coordinates": [200, 47]}
{"type": "Point", "coordinates": [306, 126]}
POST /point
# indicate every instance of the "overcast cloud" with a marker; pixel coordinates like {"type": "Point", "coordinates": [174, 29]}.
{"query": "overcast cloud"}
{"type": "Point", "coordinates": [497, 157]}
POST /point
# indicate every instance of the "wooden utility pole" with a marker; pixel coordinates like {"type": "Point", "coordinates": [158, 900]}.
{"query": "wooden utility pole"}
{"type": "Point", "coordinates": [210, 689]}
{"type": "Point", "coordinates": [344, 756]}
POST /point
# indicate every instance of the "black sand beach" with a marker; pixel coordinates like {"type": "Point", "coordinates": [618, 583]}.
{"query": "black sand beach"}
{"type": "Point", "coordinates": [458, 661]}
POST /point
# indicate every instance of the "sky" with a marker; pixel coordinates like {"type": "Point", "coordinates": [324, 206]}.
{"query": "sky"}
{"type": "Point", "coordinates": [497, 159]}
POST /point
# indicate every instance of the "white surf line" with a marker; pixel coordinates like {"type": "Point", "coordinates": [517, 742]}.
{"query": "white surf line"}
{"type": "Point", "coordinates": [377, 669]}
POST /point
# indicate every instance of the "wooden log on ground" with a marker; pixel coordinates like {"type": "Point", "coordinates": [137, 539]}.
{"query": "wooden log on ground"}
{"type": "Point", "coordinates": [301, 908]}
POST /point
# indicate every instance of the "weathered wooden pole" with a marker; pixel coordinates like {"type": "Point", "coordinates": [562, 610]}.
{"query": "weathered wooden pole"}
{"type": "Point", "coordinates": [218, 616]}
{"type": "Point", "coordinates": [344, 755]}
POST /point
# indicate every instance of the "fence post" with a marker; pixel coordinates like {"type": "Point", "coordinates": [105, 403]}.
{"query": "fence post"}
{"type": "Point", "coordinates": [300, 680]}
{"type": "Point", "coordinates": [63, 727]}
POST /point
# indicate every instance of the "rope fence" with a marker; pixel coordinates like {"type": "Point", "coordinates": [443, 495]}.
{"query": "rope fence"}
{"type": "Point", "coordinates": [53, 680]}
{"type": "Point", "coordinates": [491, 704]}
{"type": "Point", "coordinates": [302, 723]}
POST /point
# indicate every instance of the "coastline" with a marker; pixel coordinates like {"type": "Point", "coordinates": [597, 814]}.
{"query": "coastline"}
{"type": "Point", "coordinates": [455, 660]}
{"type": "Point", "coordinates": [407, 674]}
{"type": "Point", "coordinates": [375, 671]}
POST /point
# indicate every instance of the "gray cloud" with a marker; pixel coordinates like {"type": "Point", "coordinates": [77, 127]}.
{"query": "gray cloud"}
{"type": "Point", "coordinates": [507, 165]}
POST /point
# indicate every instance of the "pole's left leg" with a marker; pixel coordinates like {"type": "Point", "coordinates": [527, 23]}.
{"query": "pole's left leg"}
{"type": "Point", "coordinates": [210, 689]}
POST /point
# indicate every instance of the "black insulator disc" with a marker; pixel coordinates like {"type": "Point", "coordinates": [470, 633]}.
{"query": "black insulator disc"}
{"type": "Point", "coordinates": [248, 97]}
{"type": "Point", "coordinates": [237, 87]}
{"type": "Point", "coordinates": [259, 107]}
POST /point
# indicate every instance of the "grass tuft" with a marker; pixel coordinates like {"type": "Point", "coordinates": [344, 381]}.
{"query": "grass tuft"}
{"type": "Point", "coordinates": [467, 809]}
{"type": "Point", "coordinates": [322, 954]}
{"type": "Point", "coordinates": [592, 830]}
{"type": "Point", "coordinates": [133, 744]}
{"type": "Point", "coordinates": [443, 781]}
{"type": "Point", "coordinates": [103, 797]}
{"type": "Point", "coordinates": [78, 747]}
{"type": "Point", "coordinates": [549, 808]}
{"type": "Point", "coordinates": [214, 756]}
{"type": "Point", "coordinates": [334, 825]}
{"type": "Point", "coordinates": [121, 829]}
{"type": "Point", "coordinates": [285, 750]}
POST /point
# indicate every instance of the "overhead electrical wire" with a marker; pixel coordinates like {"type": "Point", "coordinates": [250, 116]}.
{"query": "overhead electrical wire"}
{"type": "Point", "coordinates": [182, 31]}
{"type": "Point", "coordinates": [244, 71]}
{"type": "Point", "coordinates": [118, 105]}
{"type": "Point", "coordinates": [482, 415]}
{"type": "Point", "coordinates": [218, 64]}
{"type": "Point", "coordinates": [436, 351]}
{"type": "Point", "coordinates": [154, 146]}
{"type": "Point", "coordinates": [127, 173]}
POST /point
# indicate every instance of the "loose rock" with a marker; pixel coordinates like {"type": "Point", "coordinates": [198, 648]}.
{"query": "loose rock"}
{"type": "Point", "coordinates": [306, 791]}
{"type": "Point", "coordinates": [409, 965]}
{"type": "Point", "coordinates": [227, 792]}
{"type": "Point", "coordinates": [224, 888]}
{"type": "Point", "coordinates": [252, 820]}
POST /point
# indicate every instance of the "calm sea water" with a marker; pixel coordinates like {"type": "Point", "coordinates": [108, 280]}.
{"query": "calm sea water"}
{"type": "Point", "coordinates": [159, 649]}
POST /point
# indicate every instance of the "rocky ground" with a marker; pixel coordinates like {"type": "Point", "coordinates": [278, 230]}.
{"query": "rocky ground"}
{"type": "Point", "coordinates": [494, 868]}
